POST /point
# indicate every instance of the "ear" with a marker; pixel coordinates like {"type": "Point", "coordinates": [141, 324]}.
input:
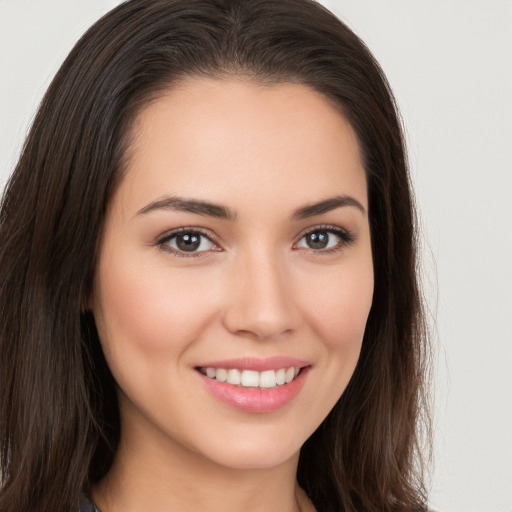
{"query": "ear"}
{"type": "Point", "coordinates": [87, 303]}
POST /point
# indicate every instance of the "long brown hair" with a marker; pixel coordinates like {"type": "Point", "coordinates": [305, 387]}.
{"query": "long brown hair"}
{"type": "Point", "coordinates": [59, 423]}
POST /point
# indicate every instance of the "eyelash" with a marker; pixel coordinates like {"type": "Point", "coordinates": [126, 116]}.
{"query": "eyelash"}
{"type": "Point", "coordinates": [165, 239]}
{"type": "Point", "coordinates": [345, 239]}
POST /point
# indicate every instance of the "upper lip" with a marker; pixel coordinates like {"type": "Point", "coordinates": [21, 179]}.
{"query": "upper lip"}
{"type": "Point", "coordinates": [257, 364]}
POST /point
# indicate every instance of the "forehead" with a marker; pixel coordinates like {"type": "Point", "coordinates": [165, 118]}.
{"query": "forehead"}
{"type": "Point", "coordinates": [262, 141]}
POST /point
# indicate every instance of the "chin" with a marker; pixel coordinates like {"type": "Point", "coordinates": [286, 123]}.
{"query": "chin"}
{"type": "Point", "coordinates": [253, 452]}
{"type": "Point", "coordinates": [250, 459]}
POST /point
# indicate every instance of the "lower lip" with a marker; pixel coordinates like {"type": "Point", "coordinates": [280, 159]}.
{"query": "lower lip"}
{"type": "Point", "coordinates": [256, 399]}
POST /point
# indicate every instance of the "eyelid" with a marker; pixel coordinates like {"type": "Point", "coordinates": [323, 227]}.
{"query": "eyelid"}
{"type": "Point", "coordinates": [346, 238]}
{"type": "Point", "coordinates": [169, 235]}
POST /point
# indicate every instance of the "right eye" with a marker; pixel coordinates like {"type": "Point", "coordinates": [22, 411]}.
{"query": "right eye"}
{"type": "Point", "coordinates": [186, 242]}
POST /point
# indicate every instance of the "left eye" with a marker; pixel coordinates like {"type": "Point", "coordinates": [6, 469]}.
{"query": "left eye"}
{"type": "Point", "coordinates": [320, 239]}
{"type": "Point", "coordinates": [188, 242]}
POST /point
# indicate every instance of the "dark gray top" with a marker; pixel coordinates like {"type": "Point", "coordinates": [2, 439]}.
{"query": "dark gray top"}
{"type": "Point", "coordinates": [86, 505]}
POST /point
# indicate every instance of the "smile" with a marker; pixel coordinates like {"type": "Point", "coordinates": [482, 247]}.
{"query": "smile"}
{"type": "Point", "coordinates": [252, 378]}
{"type": "Point", "coordinates": [255, 385]}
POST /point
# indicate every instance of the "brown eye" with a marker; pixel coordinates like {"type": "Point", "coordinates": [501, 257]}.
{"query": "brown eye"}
{"type": "Point", "coordinates": [324, 239]}
{"type": "Point", "coordinates": [188, 242]}
{"type": "Point", "coordinates": [317, 239]}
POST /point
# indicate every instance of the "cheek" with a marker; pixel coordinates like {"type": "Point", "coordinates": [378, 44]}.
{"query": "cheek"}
{"type": "Point", "coordinates": [337, 315]}
{"type": "Point", "coordinates": [148, 309]}
{"type": "Point", "coordinates": [339, 310]}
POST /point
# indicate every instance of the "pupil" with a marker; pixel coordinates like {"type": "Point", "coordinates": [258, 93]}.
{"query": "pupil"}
{"type": "Point", "coordinates": [318, 240]}
{"type": "Point", "coordinates": [188, 242]}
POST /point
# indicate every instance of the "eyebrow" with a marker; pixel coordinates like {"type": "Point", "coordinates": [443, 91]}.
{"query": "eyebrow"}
{"type": "Point", "coordinates": [327, 205]}
{"type": "Point", "coordinates": [197, 206]}
{"type": "Point", "coordinates": [208, 209]}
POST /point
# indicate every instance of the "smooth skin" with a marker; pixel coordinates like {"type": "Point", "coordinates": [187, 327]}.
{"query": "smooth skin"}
{"type": "Point", "coordinates": [264, 277]}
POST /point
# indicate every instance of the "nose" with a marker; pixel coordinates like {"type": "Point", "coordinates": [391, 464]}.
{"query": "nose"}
{"type": "Point", "coordinates": [261, 301]}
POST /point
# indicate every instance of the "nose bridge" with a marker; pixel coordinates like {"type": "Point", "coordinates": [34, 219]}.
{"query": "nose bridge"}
{"type": "Point", "coordinates": [260, 298]}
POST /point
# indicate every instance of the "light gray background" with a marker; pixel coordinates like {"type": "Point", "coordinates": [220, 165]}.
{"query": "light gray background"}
{"type": "Point", "coordinates": [450, 65]}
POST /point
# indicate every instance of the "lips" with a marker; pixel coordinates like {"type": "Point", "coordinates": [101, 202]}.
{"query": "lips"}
{"type": "Point", "coordinates": [255, 385]}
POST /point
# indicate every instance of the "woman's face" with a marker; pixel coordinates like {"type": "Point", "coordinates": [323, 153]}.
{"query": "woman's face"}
{"type": "Point", "coordinates": [236, 247]}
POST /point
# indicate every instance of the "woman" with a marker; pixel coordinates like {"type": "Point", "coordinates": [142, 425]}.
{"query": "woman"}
{"type": "Point", "coordinates": [208, 280]}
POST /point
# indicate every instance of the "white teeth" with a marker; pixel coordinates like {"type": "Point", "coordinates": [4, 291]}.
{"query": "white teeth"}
{"type": "Point", "coordinates": [268, 379]}
{"type": "Point", "coordinates": [222, 375]}
{"type": "Point", "coordinates": [252, 378]}
{"type": "Point", "coordinates": [290, 374]}
{"type": "Point", "coordinates": [234, 377]}
{"type": "Point", "coordinates": [280, 377]}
